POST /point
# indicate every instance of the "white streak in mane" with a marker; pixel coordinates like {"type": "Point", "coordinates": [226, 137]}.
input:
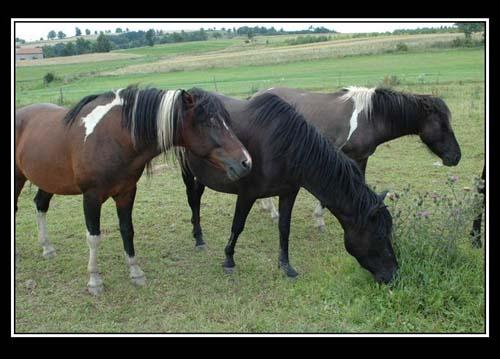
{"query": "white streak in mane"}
{"type": "Point", "coordinates": [92, 119]}
{"type": "Point", "coordinates": [362, 98]}
{"type": "Point", "coordinates": [165, 124]}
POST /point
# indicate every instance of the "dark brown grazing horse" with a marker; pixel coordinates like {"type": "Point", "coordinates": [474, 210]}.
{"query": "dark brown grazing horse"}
{"type": "Point", "coordinates": [358, 119]}
{"type": "Point", "coordinates": [101, 146]}
{"type": "Point", "coordinates": [476, 225]}
{"type": "Point", "coordinates": [289, 153]}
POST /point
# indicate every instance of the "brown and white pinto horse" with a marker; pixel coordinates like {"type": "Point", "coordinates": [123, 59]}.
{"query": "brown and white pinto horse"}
{"type": "Point", "coordinates": [101, 146]}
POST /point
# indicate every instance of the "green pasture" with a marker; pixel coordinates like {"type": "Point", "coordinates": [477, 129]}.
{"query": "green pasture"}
{"type": "Point", "coordinates": [188, 292]}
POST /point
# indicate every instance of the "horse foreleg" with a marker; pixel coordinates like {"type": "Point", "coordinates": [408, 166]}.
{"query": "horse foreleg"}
{"type": "Point", "coordinates": [286, 206]}
{"type": "Point", "coordinates": [42, 201]}
{"type": "Point", "coordinates": [243, 207]}
{"type": "Point", "coordinates": [476, 225]}
{"type": "Point", "coordinates": [194, 191]}
{"type": "Point", "coordinates": [124, 205]}
{"type": "Point", "coordinates": [92, 210]}
{"type": "Point", "coordinates": [268, 205]}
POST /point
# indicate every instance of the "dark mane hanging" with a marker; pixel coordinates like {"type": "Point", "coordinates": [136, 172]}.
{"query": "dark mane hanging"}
{"type": "Point", "coordinates": [311, 154]}
{"type": "Point", "coordinates": [405, 110]}
{"type": "Point", "coordinates": [209, 103]}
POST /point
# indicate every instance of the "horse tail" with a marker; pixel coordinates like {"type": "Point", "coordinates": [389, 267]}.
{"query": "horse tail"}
{"type": "Point", "coordinates": [73, 112]}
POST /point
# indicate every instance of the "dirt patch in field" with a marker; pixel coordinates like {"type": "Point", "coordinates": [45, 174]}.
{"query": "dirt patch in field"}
{"type": "Point", "coordinates": [97, 57]}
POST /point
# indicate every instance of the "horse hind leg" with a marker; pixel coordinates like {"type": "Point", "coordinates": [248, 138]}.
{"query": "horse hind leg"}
{"type": "Point", "coordinates": [318, 214]}
{"type": "Point", "coordinates": [20, 180]}
{"type": "Point", "coordinates": [42, 201]}
{"type": "Point", "coordinates": [268, 205]}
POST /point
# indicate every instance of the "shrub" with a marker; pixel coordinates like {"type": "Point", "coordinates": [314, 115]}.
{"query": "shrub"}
{"type": "Point", "coordinates": [401, 47]}
{"type": "Point", "coordinates": [431, 231]}
{"type": "Point", "coordinates": [391, 80]}
{"type": "Point", "coordinates": [49, 77]}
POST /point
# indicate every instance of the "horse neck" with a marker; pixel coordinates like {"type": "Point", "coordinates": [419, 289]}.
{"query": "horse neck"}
{"type": "Point", "coordinates": [390, 126]}
{"type": "Point", "coordinates": [341, 200]}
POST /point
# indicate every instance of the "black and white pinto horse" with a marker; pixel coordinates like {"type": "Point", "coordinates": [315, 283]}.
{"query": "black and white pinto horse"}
{"type": "Point", "coordinates": [289, 153]}
{"type": "Point", "coordinates": [358, 119]}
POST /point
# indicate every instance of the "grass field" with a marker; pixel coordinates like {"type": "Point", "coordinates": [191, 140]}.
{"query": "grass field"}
{"type": "Point", "coordinates": [187, 291]}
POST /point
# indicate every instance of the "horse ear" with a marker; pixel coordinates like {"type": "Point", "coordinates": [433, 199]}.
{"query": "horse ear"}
{"type": "Point", "coordinates": [382, 196]}
{"type": "Point", "coordinates": [187, 99]}
{"type": "Point", "coordinates": [375, 209]}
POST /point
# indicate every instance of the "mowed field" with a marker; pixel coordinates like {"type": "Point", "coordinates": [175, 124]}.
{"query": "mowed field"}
{"type": "Point", "coordinates": [187, 291]}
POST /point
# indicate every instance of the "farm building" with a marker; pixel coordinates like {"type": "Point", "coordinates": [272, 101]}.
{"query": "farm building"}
{"type": "Point", "coordinates": [29, 53]}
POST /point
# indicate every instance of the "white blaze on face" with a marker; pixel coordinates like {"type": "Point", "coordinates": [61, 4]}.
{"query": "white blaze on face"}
{"type": "Point", "coordinates": [92, 119]}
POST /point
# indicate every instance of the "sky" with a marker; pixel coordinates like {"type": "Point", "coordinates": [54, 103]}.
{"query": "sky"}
{"type": "Point", "coordinates": [31, 31]}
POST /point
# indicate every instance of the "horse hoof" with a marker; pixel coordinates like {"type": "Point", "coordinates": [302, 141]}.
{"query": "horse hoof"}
{"type": "Point", "coordinates": [288, 270]}
{"type": "Point", "coordinates": [49, 254]}
{"type": "Point", "coordinates": [276, 219]}
{"type": "Point", "coordinates": [229, 270]}
{"type": "Point", "coordinates": [139, 281]}
{"type": "Point", "coordinates": [95, 290]}
{"type": "Point", "coordinates": [200, 247]}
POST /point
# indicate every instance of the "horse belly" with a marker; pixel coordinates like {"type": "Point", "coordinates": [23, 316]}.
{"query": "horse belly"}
{"type": "Point", "coordinates": [48, 169]}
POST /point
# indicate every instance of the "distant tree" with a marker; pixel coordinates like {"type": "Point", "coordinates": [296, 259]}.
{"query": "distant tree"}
{"type": "Point", "coordinates": [20, 40]}
{"type": "Point", "coordinates": [78, 32]}
{"type": "Point", "coordinates": [82, 46]}
{"type": "Point", "coordinates": [150, 34]}
{"type": "Point", "coordinates": [61, 35]}
{"type": "Point", "coordinates": [118, 30]}
{"type": "Point", "coordinates": [469, 27]}
{"type": "Point", "coordinates": [41, 39]}
{"type": "Point", "coordinates": [69, 49]}
{"type": "Point", "coordinates": [87, 32]}
{"type": "Point", "coordinates": [127, 29]}
{"type": "Point", "coordinates": [95, 32]}
{"type": "Point", "coordinates": [51, 35]}
{"type": "Point", "coordinates": [217, 35]}
{"type": "Point", "coordinates": [102, 44]}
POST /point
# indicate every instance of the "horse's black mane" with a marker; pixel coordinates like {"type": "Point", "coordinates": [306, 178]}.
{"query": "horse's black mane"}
{"type": "Point", "coordinates": [312, 155]}
{"type": "Point", "coordinates": [210, 104]}
{"type": "Point", "coordinates": [404, 110]}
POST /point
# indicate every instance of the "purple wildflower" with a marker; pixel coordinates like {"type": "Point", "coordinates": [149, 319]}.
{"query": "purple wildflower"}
{"type": "Point", "coordinates": [453, 178]}
{"type": "Point", "coordinates": [424, 214]}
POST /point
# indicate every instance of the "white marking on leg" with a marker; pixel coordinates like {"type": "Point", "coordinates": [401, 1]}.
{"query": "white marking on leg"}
{"type": "Point", "coordinates": [136, 274]}
{"type": "Point", "coordinates": [92, 119]}
{"type": "Point", "coordinates": [268, 205]}
{"type": "Point", "coordinates": [318, 215]}
{"type": "Point", "coordinates": [95, 281]}
{"type": "Point", "coordinates": [43, 235]}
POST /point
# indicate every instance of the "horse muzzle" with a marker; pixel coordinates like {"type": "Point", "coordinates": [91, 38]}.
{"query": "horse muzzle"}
{"type": "Point", "coordinates": [235, 168]}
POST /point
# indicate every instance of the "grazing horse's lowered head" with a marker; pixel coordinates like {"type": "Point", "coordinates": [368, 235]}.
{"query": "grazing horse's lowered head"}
{"type": "Point", "coordinates": [370, 241]}
{"type": "Point", "coordinates": [427, 115]}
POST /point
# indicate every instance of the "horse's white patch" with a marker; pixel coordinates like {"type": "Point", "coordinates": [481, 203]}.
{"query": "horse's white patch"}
{"type": "Point", "coordinates": [135, 271]}
{"type": "Point", "coordinates": [92, 119]}
{"type": "Point", "coordinates": [268, 205]}
{"type": "Point", "coordinates": [43, 235]}
{"type": "Point", "coordinates": [362, 98]}
{"type": "Point", "coordinates": [269, 89]}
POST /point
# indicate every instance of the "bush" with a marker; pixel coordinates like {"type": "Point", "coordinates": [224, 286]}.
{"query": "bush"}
{"type": "Point", "coordinates": [431, 231]}
{"type": "Point", "coordinates": [49, 77]}
{"type": "Point", "coordinates": [391, 80]}
{"type": "Point", "coordinates": [401, 47]}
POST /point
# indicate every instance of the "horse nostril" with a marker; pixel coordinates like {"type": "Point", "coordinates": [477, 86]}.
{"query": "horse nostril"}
{"type": "Point", "coordinates": [245, 164]}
